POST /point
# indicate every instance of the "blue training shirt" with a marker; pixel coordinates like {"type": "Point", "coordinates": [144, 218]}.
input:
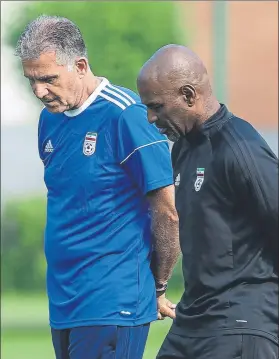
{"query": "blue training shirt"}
{"type": "Point", "coordinates": [100, 161]}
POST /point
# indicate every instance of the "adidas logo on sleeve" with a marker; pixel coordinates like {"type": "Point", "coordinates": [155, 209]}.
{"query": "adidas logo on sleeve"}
{"type": "Point", "coordinates": [48, 147]}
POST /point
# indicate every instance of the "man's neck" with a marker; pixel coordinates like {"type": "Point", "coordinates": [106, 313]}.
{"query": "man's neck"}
{"type": "Point", "coordinates": [91, 83]}
{"type": "Point", "coordinates": [211, 107]}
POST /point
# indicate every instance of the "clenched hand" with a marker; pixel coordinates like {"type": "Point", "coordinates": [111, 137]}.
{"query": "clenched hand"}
{"type": "Point", "coordinates": [165, 307]}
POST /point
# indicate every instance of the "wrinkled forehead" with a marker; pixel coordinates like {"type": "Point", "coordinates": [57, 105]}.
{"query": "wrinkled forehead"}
{"type": "Point", "coordinates": [154, 92]}
{"type": "Point", "coordinates": [149, 87]}
{"type": "Point", "coordinates": [44, 64]}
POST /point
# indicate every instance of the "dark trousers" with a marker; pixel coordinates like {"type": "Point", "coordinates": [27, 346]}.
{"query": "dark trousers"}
{"type": "Point", "coordinates": [221, 347]}
{"type": "Point", "coordinates": [100, 342]}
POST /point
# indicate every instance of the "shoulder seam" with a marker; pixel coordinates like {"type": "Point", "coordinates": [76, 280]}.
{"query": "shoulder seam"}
{"type": "Point", "coordinates": [110, 99]}
{"type": "Point", "coordinates": [117, 96]}
{"type": "Point", "coordinates": [138, 148]}
{"type": "Point", "coordinates": [117, 90]}
{"type": "Point", "coordinates": [118, 103]}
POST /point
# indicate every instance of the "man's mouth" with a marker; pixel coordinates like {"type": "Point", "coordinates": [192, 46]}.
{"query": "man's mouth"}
{"type": "Point", "coordinates": [163, 131]}
{"type": "Point", "coordinates": [49, 103]}
{"type": "Point", "coordinates": [173, 137]}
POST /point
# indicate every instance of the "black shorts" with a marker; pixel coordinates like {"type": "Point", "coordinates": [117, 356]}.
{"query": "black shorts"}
{"type": "Point", "coordinates": [218, 347]}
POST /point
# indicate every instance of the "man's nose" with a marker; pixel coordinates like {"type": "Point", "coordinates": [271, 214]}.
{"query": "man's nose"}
{"type": "Point", "coordinates": [40, 90]}
{"type": "Point", "coordinates": [151, 117]}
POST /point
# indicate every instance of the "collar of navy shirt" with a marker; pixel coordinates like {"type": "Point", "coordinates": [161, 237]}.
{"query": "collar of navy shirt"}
{"type": "Point", "coordinates": [211, 126]}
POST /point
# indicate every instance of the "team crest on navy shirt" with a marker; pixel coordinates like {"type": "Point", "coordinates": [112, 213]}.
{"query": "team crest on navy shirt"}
{"type": "Point", "coordinates": [89, 145]}
{"type": "Point", "coordinates": [200, 179]}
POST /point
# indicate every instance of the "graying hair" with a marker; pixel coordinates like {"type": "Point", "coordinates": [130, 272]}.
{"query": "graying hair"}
{"type": "Point", "coordinates": [51, 33]}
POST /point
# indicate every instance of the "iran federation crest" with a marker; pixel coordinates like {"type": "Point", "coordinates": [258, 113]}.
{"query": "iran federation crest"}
{"type": "Point", "coordinates": [200, 179]}
{"type": "Point", "coordinates": [89, 145]}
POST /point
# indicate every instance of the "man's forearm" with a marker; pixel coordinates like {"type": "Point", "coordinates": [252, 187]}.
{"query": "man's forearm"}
{"type": "Point", "coordinates": [165, 230]}
{"type": "Point", "coordinates": [166, 247]}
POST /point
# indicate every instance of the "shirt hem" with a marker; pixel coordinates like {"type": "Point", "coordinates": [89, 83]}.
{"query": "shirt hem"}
{"type": "Point", "coordinates": [222, 331]}
{"type": "Point", "coordinates": [158, 184]}
{"type": "Point", "coordinates": [96, 322]}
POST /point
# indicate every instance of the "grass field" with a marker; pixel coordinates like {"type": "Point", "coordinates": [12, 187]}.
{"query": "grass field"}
{"type": "Point", "coordinates": [25, 333]}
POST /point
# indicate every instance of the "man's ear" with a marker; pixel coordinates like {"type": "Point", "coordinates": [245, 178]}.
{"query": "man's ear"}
{"type": "Point", "coordinates": [189, 94]}
{"type": "Point", "coordinates": [82, 66]}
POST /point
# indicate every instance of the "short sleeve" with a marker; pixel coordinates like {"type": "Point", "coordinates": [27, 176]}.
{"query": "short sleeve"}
{"type": "Point", "coordinates": [143, 151]}
{"type": "Point", "coordinates": [40, 125]}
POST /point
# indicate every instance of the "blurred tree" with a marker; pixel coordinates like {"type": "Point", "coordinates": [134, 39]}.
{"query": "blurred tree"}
{"type": "Point", "coordinates": [22, 233]}
{"type": "Point", "coordinates": [120, 35]}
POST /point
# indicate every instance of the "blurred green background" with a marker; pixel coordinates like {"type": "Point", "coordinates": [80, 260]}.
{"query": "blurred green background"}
{"type": "Point", "coordinates": [120, 37]}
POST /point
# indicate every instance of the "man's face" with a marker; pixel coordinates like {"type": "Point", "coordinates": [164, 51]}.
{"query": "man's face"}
{"type": "Point", "coordinates": [166, 108]}
{"type": "Point", "coordinates": [53, 84]}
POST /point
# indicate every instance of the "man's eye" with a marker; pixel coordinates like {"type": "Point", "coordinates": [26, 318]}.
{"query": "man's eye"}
{"type": "Point", "coordinates": [50, 81]}
{"type": "Point", "coordinates": [156, 107]}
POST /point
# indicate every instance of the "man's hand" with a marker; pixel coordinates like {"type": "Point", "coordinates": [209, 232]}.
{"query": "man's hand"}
{"type": "Point", "coordinates": [165, 307]}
